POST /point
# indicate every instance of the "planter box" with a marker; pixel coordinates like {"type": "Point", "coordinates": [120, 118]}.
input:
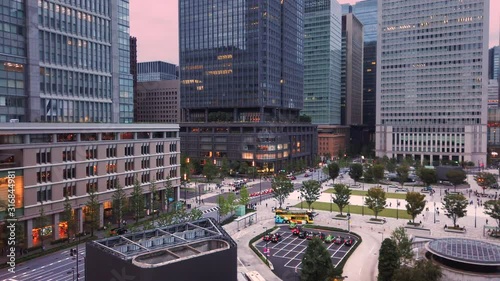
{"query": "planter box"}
{"type": "Point", "coordinates": [340, 218]}
{"type": "Point", "coordinates": [454, 230]}
{"type": "Point", "coordinates": [375, 222]}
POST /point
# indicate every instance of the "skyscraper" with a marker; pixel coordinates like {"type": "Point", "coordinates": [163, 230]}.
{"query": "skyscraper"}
{"type": "Point", "coordinates": [493, 62]}
{"type": "Point", "coordinates": [351, 94]}
{"type": "Point", "coordinates": [432, 68]}
{"type": "Point", "coordinates": [242, 82]}
{"type": "Point", "coordinates": [156, 71]}
{"type": "Point", "coordinates": [322, 56]}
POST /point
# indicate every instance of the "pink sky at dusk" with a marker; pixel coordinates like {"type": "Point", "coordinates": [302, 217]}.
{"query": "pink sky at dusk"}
{"type": "Point", "coordinates": [155, 24]}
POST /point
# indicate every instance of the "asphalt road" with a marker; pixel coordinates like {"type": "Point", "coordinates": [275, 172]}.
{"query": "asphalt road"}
{"type": "Point", "coordinates": [54, 267]}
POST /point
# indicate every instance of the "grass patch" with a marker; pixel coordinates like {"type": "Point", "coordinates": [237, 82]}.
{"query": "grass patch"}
{"type": "Point", "coordinates": [364, 193]}
{"type": "Point", "coordinates": [356, 209]}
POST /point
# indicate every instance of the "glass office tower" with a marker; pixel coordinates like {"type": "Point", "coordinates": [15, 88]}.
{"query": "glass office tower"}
{"type": "Point", "coordinates": [66, 64]}
{"type": "Point", "coordinates": [322, 55]}
{"type": "Point", "coordinates": [241, 70]}
{"type": "Point", "coordinates": [432, 72]}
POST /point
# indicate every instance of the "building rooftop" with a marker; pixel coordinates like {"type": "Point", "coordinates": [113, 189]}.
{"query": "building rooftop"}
{"type": "Point", "coordinates": [169, 243]}
{"type": "Point", "coordinates": [466, 251]}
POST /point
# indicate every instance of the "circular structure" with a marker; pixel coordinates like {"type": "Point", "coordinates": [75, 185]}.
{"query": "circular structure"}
{"type": "Point", "coordinates": [466, 254]}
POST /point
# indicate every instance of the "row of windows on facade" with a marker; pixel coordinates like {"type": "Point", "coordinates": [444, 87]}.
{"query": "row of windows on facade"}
{"type": "Point", "coordinates": [429, 149]}
{"type": "Point", "coordinates": [426, 122]}
{"type": "Point", "coordinates": [95, 6]}
{"type": "Point", "coordinates": [44, 175]}
{"type": "Point", "coordinates": [72, 83]}
{"type": "Point", "coordinates": [71, 52]}
{"type": "Point", "coordinates": [44, 193]}
{"type": "Point", "coordinates": [43, 156]}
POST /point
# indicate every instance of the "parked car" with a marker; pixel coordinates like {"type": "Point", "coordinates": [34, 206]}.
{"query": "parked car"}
{"type": "Point", "coordinates": [338, 240]}
{"type": "Point", "coordinates": [310, 236]}
{"type": "Point", "coordinates": [267, 237]}
{"type": "Point", "coordinates": [306, 175]}
{"type": "Point", "coordinates": [329, 238]}
{"type": "Point", "coordinates": [118, 231]}
{"type": "Point", "coordinates": [296, 230]}
{"type": "Point", "coordinates": [303, 234]}
{"type": "Point", "coordinates": [393, 186]}
{"type": "Point", "coordinates": [349, 241]}
{"type": "Point", "coordinates": [321, 236]}
{"type": "Point", "coordinates": [404, 189]}
{"type": "Point", "coordinates": [427, 189]}
{"type": "Point", "coordinates": [276, 237]}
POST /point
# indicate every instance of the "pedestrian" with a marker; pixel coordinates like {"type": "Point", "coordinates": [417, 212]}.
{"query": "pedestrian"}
{"type": "Point", "coordinates": [486, 221]}
{"type": "Point", "coordinates": [390, 204]}
{"type": "Point", "coordinates": [266, 205]}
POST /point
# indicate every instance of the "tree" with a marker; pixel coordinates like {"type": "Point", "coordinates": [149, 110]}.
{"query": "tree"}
{"type": "Point", "coordinates": [137, 201]}
{"type": "Point", "coordinates": [169, 192]}
{"type": "Point", "coordinates": [282, 187]}
{"type": "Point", "coordinates": [231, 202]}
{"type": "Point", "coordinates": [356, 172]}
{"type": "Point", "coordinates": [388, 260]}
{"type": "Point", "coordinates": [485, 180]}
{"type": "Point", "coordinates": [342, 196]}
{"type": "Point", "coordinates": [368, 175]}
{"type": "Point", "coordinates": [42, 222]}
{"type": "Point", "coordinates": [68, 216]}
{"type": "Point", "coordinates": [415, 204]}
{"type": "Point", "coordinates": [375, 200]}
{"type": "Point", "coordinates": [119, 201]}
{"type": "Point", "coordinates": [209, 170]}
{"type": "Point", "coordinates": [492, 209]}
{"type": "Point", "coordinates": [223, 209]}
{"type": "Point", "coordinates": [92, 211]}
{"type": "Point", "coordinates": [378, 172]}
{"type": "Point", "coordinates": [402, 172]}
{"type": "Point", "coordinates": [391, 166]}
{"type": "Point", "coordinates": [243, 168]}
{"type": "Point", "coordinates": [423, 270]}
{"type": "Point", "coordinates": [403, 245]}
{"type": "Point", "coordinates": [333, 171]}
{"type": "Point", "coordinates": [155, 199]}
{"type": "Point", "coordinates": [455, 206]}
{"type": "Point", "coordinates": [244, 196]}
{"type": "Point", "coordinates": [224, 167]}
{"type": "Point", "coordinates": [316, 262]}
{"type": "Point", "coordinates": [456, 177]}
{"type": "Point", "coordinates": [427, 176]}
{"type": "Point", "coordinates": [310, 191]}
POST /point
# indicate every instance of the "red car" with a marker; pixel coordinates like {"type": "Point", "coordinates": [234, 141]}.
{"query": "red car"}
{"type": "Point", "coordinates": [276, 238]}
{"type": "Point", "coordinates": [306, 175]}
{"type": "Point", "coordinates": [296, 230]}
{"type": "Point", "coordinates": [310, 236]}
{"type": "Point", "coordinates": [338, 240]}
{"type": "Point", "coordinates": [349, 241]}
{"type": "Point", "coordinates": [267, 237]}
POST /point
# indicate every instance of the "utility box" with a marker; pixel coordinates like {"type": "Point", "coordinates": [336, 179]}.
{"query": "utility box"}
{"type": "Point", "coordinates": [240, 210]}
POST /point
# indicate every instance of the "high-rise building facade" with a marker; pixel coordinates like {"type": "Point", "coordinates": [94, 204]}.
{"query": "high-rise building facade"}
{"type": "Point", "coordinates": [241, 67]}
{"type": "Point", "coordinates": [351, 74]}
{"type": "Point", "coordinates": [322, 55]}
{"type": "Point", "coordinates": [432, 72]}
{"type": "Point", "coordinates": [158, 102]}
{"type": "Point", "coordinates": [156, 71]}
{"type": "Point", "coordinates": [493, 62]}
{"type": "Point", "coordinates": [133, 69]}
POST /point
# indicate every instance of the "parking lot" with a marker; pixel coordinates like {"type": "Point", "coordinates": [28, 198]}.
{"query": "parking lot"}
{"type": "Point", "coordinates": [286, 255]}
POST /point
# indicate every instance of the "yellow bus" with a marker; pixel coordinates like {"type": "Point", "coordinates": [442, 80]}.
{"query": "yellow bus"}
{"type": "Point", "coordinates": [298, 217]}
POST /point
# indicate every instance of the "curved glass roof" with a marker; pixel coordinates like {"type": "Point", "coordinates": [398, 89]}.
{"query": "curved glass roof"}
{"type": "Point", "coordinates": [466, 251]}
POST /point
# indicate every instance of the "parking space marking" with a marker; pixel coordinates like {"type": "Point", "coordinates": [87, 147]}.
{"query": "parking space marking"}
{"type": "Point", "coordinates": [295, 246]}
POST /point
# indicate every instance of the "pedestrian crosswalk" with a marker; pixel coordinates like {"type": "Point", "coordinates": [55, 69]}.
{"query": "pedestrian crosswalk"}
{"type": "Point", "coordinates": [214, 209]}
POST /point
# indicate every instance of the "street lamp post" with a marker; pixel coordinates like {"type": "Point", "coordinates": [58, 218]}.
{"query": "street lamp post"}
{"type": "Point", "coordinates": [434, 212]}
{"type": "Point", "coordinates": [475, 221]}
{"type": "Point", "coordinates": [260, 189]}
{"type": "Point", "coordinates": [397, 209]}
{"type": "Point", "coordinates": [331, 202]}
{"type": "Point", "coordinates": [363, 205]}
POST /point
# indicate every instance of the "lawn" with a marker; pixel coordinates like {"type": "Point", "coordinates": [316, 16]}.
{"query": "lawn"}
{"type": "Point", "coordinates": [356, 209]}
{"type": "Point", "coordinates": [364, 192]}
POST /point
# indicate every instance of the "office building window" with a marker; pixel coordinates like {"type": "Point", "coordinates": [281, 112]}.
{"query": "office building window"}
{"type": "Point", "coordinates": [91, 152]}
{"type": "Point", "coordinates": [129, 165]}
{"type": "Point", "coordinates": [145, 177]}
{"type": "Point", "coordinates": [69, 172]}
{"type": "Point", "coordinates": [69, 190]}
{"type": "Point", "coordinates": [173, 160]}
{"type": "Point", "coordinates": [129, 180]}
{"type": "Point", "coordinates": [44, 193]}
{"type": "Point", "coordinates": [43, 156]}
{"type": "Point", "coordinates": [44, 175]}
{"type": "Point", "coordinates": [91, 169]}
{"type": "Point", "coordinates": [160, 161]}
{"type": "Point", "coordinates": [145, 148]}
{"type": "Point", "coordinates": [111, 167]}
{"type": "Point", "coordinates": [160, 148]}
{"type": "Point", "coordinates": [173, 173]}
{"type": "Point", "coordinates": [91, 186]}
{"type": "Point", "coordinates": [145, 163]}
{"type": "Point", "coordinates": [111, 151]}
{"type": "Point", "coordinates": [111, 183]}
{"type": "Point", "coordinates": [160, 175]}
{"type": "Point", "coordinates": [173, 147]}
{"type": "Point", "coordinates": [129, 150]}
{"type": "Point", "coordinates": [69, 154]}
